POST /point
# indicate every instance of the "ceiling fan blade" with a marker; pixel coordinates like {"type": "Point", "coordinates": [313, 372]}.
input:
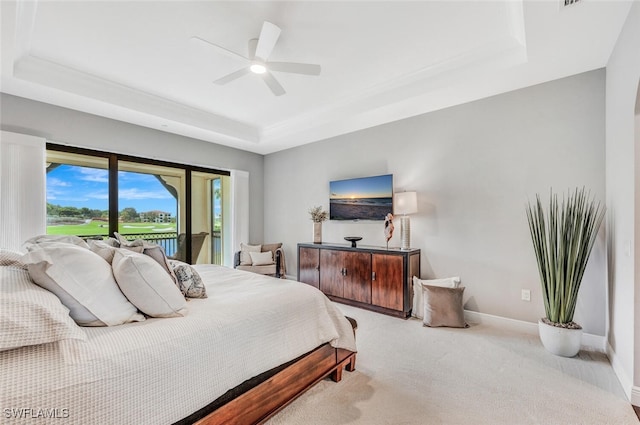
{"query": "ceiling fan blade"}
{"type": "Point", "coordinates": [233, 76]}
{"type": "Point", "coordinates": [268, 38]}
{"type": "Point", "coordinates": [252, 48]}
{"type": "Point", "coordinates": [273, 84]}
{"type": "Point", "coordinates": [203, 42]}
{"type": "Point", "coordinates": [295, 68]}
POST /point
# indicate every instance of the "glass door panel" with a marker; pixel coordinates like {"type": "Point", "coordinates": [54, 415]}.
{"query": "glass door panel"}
{"type": "Point", "coordinates": [207, 218]}
{"type": "Point", "coordinates": [77, 195]}
{"type": "Point", "coordinates": [150, 205]}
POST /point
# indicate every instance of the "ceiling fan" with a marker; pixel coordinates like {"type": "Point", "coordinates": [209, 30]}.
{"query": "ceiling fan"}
{"type": "Point", "coordinates": [258, 58]}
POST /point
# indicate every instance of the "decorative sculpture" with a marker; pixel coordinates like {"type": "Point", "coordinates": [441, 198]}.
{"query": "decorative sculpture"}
{"type": "Point", "coordinates": [388, 227]}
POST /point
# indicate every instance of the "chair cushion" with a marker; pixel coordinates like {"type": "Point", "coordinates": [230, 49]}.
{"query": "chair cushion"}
{"type": "Point", "coordinates": [261, 258]}
{"type": "Point", "coordinates": [271, 247]}
{"type": "Point", "coordinates": [245, 257]}
{"type": "Point", "coordinates": [270, 269]}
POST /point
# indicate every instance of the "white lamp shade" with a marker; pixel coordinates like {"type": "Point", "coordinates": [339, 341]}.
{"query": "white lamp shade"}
{"type": "Point", "coordinates": [405, 203]}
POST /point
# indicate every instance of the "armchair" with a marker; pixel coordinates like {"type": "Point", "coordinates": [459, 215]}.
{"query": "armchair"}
{"type": "Point", "coordinates": [197, 240]}
{"type": "Point", "coordinates": [276, 269]}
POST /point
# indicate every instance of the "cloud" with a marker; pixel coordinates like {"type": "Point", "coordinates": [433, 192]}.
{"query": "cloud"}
{"type": "Point", "coordinates": [54, 182]}
{"type": "Point", "coordinates": [98, 195]}
{"type": "Point", "coordinates": [94, 175]}
{"type": "Point", "coordinates": [143, 194]}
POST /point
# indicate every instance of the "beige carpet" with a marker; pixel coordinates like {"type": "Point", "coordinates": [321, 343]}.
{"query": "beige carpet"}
{"type": "Point", "coordinates": [410, 374]}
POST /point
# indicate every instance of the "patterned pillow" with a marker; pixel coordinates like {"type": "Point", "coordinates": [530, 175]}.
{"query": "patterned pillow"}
{"type": "Point", "coordinates": [189, 281]}
{"type": "Point", "coordinates": [11, 258]}
{"type": "Point", "coordinates": [30, 315]}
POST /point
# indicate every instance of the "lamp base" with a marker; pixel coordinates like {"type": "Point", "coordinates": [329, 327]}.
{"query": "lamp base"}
{"type": "Point", "coordinates": [405, 232]}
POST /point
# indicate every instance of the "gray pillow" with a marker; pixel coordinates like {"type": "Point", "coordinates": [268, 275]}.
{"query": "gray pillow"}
{"type": "Point", "coordinates": [443, 306]}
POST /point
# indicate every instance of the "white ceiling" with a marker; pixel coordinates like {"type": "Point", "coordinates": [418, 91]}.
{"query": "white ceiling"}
{"type": "Point", "coordinates": [381, 60]}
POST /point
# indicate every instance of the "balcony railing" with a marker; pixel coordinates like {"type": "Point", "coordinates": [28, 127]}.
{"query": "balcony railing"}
{"type": "Point", "coordinates": [169, 241]}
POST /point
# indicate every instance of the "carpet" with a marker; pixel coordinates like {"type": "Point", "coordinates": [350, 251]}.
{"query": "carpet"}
{"type": "Point", "coordinates": [410, 374]}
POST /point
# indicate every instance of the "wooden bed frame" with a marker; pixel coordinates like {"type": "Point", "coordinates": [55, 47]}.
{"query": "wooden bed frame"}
{"type": "Point", "coordinates": [275, 389]}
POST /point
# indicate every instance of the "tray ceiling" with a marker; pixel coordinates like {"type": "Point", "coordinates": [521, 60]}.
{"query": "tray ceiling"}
{"type": "Point", "coordinates": [381, 61]}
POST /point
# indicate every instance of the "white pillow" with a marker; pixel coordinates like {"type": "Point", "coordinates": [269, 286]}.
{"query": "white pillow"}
{"type": "Point", "coordinates": [30, 315]}
{"type": "Point", "coordinates": [261, 258]}
{"type": "Point", "coordinates": [245, 256]}
{"type": "Point", "coordinates": [103, 249]}
{"type": "Point", "coordinates": [153, 250]}
{"type": "Point", "coordinates": [418, 303]}
{"type": "Point", "coordinates": [75, 240]}
{"type": "Point", "coordinates": [147, 285]}
{"type": "Point", "coordinates": [83, 281]}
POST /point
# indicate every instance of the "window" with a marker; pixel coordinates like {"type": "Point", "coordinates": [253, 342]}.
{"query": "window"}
{"type": "Point", "coordinates": [94, 194]}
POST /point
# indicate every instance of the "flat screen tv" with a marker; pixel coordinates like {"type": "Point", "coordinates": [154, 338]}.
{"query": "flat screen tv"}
{"type": "Point", "coordinates": [365, 198]}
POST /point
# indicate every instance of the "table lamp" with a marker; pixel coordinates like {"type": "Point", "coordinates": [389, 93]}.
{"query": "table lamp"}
{"type": "Point", "coordinates": [405, 203]}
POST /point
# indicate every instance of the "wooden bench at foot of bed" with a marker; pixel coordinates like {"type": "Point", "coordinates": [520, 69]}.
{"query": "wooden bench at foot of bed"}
{"type": "Point", "coordinates": [266, 398]}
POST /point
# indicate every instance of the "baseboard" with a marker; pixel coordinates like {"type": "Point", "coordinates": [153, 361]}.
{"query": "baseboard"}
{"type": "Point", "coordinates": [589, 341]}
{"type": "Point", "coordinates": [635, 396]}
{"type": "Point", "coordinates": [632, 393]}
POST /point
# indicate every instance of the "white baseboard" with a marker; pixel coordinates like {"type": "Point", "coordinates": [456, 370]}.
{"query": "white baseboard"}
{"type": "Point", "coordinates": [632, 393]}
{"type": "Point", "coordinates": [635, 396]}
{"type": "Point", "coordinates": [589, 341]}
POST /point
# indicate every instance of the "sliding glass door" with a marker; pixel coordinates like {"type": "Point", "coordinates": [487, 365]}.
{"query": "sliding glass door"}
{"type": "Point", "coordinates": [94, 194]}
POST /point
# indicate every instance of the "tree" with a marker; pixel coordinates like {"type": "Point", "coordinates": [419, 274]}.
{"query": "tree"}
{"type": "Point", "coordinates": [129, 214]}
{"type": "Point", "coordinates": [68, 212]}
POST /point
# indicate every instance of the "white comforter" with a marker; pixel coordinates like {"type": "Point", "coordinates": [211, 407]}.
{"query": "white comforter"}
{"type": "Point", "coordinates": [162, 370]}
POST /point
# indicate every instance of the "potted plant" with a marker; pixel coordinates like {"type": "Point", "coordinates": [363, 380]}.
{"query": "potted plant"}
{"type": "Point", "coordinates": [562, 240]}
{"type": "Point", "coordinates": [318, 215]}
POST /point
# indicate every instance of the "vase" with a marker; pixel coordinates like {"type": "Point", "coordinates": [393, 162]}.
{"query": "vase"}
{"type": "Point", "coordinates": [560, 341]}
{"type": "Point", "coordinates": [317, 232]}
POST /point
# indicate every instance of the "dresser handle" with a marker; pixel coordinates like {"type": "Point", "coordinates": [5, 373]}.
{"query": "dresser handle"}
{"type": "Point", "coordinates": [373, 275]}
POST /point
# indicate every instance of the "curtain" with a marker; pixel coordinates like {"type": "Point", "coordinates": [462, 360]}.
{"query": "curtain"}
{"type": "Point", "coordinates": [239, 213]}
{"type": "Point", "coordinates": [23, 210]}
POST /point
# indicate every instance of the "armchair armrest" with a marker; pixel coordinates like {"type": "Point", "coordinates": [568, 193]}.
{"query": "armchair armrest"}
{"type": "Point", "coordinates": [280, 265]}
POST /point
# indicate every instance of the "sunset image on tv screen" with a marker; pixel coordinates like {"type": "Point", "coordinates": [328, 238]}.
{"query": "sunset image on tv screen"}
{"type": "Point", "coordinates": [367, 198]}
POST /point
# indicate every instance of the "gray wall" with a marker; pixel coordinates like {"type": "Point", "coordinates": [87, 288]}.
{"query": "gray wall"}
{"type": "Point", "coordinates": [474, 167]}
{"type": "Point", "coordinates": [623, 201]}
{"type": "Point", "coordinates": [66, 126]}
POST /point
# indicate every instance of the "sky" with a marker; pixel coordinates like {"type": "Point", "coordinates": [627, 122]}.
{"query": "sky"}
{"type": "Point", "coordinates": [75, 186]}
{"type": "Point", "coordinates": [367, 187]}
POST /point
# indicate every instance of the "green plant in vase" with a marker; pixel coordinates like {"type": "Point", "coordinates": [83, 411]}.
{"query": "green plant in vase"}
{"type": "Point", "coordinates": [563, 237]}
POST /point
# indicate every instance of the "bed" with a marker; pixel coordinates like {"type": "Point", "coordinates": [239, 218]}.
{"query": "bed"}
{"type": "Point", "coordinates": [238, 356]}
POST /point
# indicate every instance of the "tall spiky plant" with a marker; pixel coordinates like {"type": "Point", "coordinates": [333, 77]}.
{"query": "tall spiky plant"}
{"type": "Point", "coordinates": [562, 241]}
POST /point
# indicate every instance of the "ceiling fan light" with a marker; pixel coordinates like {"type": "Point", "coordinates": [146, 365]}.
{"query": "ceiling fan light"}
{"type": "Point", "coordinates": [258, 68]}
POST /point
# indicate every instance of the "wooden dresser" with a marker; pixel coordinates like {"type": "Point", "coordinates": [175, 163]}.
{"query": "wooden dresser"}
{"type": "Point", "coordinates": [374, 278]}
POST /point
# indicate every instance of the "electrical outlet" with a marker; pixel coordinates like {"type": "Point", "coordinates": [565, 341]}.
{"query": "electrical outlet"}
{"type": "Point", "coordinates": [526, 295]}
